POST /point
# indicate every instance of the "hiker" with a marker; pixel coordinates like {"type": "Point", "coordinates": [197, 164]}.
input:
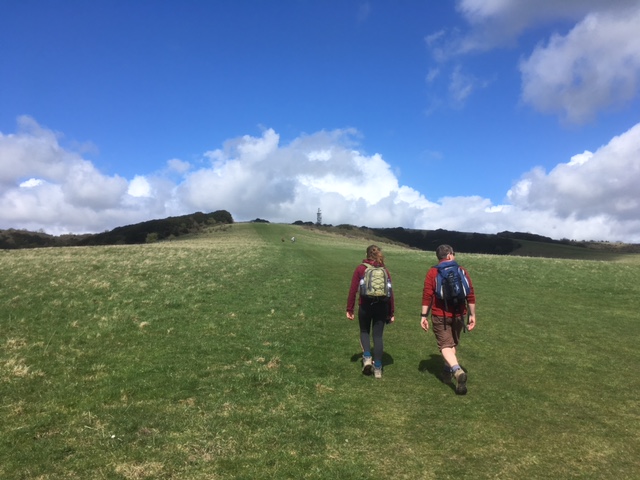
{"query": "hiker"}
{"type": "Point", "coordinates": [448, 316]}
{"type": "Point", "coordinates": [372, 281]}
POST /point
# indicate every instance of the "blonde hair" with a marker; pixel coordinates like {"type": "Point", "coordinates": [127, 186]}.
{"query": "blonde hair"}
{"type": "Point", "coordinates": [374, 253]}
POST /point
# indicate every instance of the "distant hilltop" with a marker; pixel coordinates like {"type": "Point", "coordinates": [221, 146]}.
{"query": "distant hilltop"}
{"type": "Point", "coordinates": [145, 232]}
{"type": "Point", "coordinates": [503, 243]}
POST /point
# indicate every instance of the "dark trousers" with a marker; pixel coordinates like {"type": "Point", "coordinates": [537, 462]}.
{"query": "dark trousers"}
{"type": "Point", "coordinates": [373, 316]}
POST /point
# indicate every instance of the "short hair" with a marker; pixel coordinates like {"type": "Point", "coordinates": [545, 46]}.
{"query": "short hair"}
{"type": "Point", "coordinates": [443, 250]}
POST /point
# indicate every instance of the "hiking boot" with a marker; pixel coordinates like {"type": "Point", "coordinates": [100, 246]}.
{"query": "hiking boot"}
{"type": "Point", "coordinates": [461, 382]}
{"type": "Point", "coordinates": [377, 372]}
{"type": "Point", "coordinates": [446, 375]}
{"type": "Point", "coordinates": [367, 365]}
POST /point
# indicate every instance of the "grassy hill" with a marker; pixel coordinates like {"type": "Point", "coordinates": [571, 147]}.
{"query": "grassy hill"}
{"type": "Point", "coordinates": [557, 250]}
{"type": "Point", "coordinates": [150, 231]}
{"type": "Point", "coordinates": [228, 355]}
{"type": "Point", "coordinates": [172, 228]}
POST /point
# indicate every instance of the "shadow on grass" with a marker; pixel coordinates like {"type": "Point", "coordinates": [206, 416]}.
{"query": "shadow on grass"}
{"type": "Point", "coordinates": [434, 365]}
{"type": "Point", "coordinates": [386, 358]}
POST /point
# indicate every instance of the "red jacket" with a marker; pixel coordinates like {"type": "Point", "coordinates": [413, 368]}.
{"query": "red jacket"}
{"type": "Point", "coordinates": [358, 274]}
{"type": "Point", "coordinates": [428, 294]}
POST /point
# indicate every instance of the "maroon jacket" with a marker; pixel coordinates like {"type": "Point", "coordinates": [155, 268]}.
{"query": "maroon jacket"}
{"type": "Point", "coordinates": [358, 274]}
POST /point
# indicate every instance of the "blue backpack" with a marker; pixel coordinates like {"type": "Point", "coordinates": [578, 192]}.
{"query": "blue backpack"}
{"type": "Point", "coordinates": [452, 287]}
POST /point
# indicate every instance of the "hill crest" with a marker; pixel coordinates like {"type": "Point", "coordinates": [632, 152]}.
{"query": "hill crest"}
{"type": "Point", "coordinates": [503, 243]}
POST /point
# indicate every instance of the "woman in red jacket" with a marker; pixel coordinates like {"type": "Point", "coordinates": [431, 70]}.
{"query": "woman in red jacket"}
{"type": "Point", "coordinates": [373, 313]}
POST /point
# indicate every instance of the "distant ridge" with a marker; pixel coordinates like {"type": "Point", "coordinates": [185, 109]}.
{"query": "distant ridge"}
{"type": "Point", "coordinates": [145, 232]}
{"type": "Point", "coordinates": [503, 243]}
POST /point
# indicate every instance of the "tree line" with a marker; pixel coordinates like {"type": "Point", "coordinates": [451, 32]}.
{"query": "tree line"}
{"type": "Point", "coordinates": [145, 232]}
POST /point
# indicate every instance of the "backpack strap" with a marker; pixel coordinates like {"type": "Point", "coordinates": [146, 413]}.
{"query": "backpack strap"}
{"type": "Point", "coordinates": [461, 308]}
{"type": "Point", "coordinates": [440, 267]}
{"type": "Point", "coordinates": [430, 305]}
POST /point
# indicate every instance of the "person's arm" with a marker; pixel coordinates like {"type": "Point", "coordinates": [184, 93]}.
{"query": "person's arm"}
{"type": "Point", "coordinates": [427, 299]}
{"type": "Point", "coordinates": [424, 320]}
{"type": "Point", "coordinates": [471, 302]}
{"type": "Point", "coordinates": [392, 301]}
{"type": "Point", "coordinates": [472, 316]}
{"type": "Point", "coordinates": [353, 290]}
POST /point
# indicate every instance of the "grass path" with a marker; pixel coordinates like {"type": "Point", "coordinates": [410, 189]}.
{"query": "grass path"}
{"type": "Point", "coordinates": [229, 356]}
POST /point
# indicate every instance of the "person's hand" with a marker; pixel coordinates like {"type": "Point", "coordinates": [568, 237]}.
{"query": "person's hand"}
{"type": "Point", "coordinates": [350, 315]}
{"type": "Point", "coordinates": [472, 322]}
{"type": "Point", "coordinates": [424, 323]}
{"type": "Point", "coordinates": [392, 319]}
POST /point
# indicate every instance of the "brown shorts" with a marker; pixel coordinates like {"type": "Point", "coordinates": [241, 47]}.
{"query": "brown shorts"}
{"type": "Point", "coordinates": [449, 337]}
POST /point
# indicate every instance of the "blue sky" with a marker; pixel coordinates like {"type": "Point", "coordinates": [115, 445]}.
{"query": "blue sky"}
{"type": "Point", "coordinates": [470, 115]}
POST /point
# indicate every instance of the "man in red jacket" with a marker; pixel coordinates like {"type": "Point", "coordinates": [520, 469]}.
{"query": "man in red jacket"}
{"type": "Point", "coordinates": [447, 324]}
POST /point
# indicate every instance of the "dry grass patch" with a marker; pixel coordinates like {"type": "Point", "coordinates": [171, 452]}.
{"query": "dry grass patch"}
{"type": "Point", "coordinates": [137, 471]}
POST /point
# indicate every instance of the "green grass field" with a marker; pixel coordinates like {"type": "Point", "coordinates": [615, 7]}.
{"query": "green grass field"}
{"type": "Point", "coordinates": [228, 356]}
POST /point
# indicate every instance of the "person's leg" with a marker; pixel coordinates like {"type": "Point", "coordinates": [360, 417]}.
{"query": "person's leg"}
{"type": "Point", "coordinates": [379, 319]}
{"type": "Point", "coordinates": [460, 375]}
{"type": "Point", "coordinates": [378, 342]}
{"type": "Point", "coordinates": [447, 334]}
{"type": "Point", "coordinates": [364, 319]}
{"type": "Point", "coordinates": [449, 356]}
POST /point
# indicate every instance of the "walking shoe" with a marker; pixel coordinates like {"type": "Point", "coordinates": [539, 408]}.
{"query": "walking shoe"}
{"type": "Point", "coordinates": [446, 375]}
{"type": "Point", "coordinates": [461, 382]}
{"type": "Point", "coordinates": [377, 372]}
{"type": "Point", "coordinates": [367, 365]}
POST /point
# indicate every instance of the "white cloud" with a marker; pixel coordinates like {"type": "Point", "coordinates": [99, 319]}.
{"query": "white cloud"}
{"type": "Point", "coordinates": [85, 186]}
{"type": "Point", "coordinates": [43, 185]}
{"type": "Point", "coordinates": [602, 184]}
{"type": "Point", "coordinates": [591, 196]}
{"type": "Point", "coordinates": [592, 67]}
{"type": "Point", "coordinates": [581, 158]}
{"type": "Point", "coordinates": [499, 22]}
{"type": "Point", "coordinates": [32, 182]}
{"type": "Point", "coordinates": [595, 66]}
{"type": "Point", "coordinates": [32, 150]}
{"type": "Point", "coordinates": [178, 166]}
{"type": "Point", "coordinates": [139, 187]}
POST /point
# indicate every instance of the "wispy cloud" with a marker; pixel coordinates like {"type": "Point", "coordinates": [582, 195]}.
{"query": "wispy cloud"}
{"type": "Point", "coordinates": [461, 86]}
{"type": "Point", "coordinates": [364, 10]}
